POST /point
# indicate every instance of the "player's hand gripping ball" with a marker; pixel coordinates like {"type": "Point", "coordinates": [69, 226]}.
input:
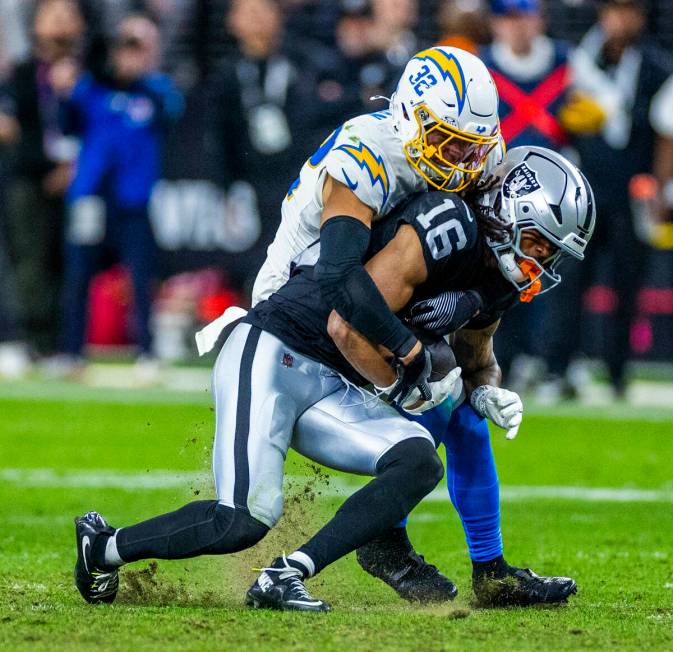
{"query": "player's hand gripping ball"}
{"type": "Point", "coordinates": [444, 381]}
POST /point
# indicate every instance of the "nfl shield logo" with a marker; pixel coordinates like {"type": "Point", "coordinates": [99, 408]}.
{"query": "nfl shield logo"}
{"type": "Point", "coordinates": [287, 360]}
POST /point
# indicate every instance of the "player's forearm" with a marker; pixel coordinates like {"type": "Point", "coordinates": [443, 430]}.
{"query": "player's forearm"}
{"type": "Point", "coordinates": [489, 375]}
{"type": "Point", "coordinates": [366, 358]}
{"type": "Point", "coordinates": [474, 354]}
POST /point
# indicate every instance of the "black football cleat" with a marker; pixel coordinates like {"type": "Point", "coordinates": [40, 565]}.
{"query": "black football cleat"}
{"type": "Point", "coordinates": [94, 584]}
{"type": "Point", "coordinates": [392, 559]}
{"type": "Point", "coordinates": [281, 587]}
{"type": "Point", "coordinates": [520, 587]}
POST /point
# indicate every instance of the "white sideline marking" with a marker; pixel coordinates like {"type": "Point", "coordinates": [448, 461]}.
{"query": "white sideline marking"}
{"type": "Point", "coordinates": [101, 479]}
{"type": "Point", "coordinates": [133, 480]}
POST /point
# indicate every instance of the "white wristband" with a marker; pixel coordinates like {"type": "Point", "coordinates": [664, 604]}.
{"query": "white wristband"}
{"type": "Point", "coordinates": [478, 399]}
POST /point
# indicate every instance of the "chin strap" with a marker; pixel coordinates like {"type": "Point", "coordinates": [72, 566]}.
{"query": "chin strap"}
{"type": "Point", "coordinates": [532, 271]}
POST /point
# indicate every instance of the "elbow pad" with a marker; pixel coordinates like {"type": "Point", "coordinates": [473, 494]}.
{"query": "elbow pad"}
{"type": "Point", "coordinates": [347, 288]}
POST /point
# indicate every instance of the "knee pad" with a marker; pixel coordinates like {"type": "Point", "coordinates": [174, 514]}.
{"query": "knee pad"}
{"type": "Point", "coordinates": [416, 463]}
{"type": "Point", "coordinates": [236, 530]}
{"type": "Point", "coordinates": [427, 465]}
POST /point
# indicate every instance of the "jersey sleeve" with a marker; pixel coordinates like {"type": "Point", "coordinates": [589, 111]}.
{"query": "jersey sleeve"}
{"type": "Point", "coordinates": [445, 226]}
{"type": "Point", "coordinates": [359, 164]}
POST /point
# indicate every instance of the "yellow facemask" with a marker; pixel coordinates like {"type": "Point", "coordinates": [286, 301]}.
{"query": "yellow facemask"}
{"type": "Point", "coordinates": [427, 152]}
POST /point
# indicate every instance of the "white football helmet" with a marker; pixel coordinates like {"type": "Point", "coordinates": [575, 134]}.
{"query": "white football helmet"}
{"type": "Point", "coordinates": [445, 110]}
{"type": "Point", "coordinates": [536, 188]}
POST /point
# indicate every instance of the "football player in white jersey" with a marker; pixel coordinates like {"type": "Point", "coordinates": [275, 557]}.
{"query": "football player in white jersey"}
{"type": "Point", "coordinates": [441, 132]}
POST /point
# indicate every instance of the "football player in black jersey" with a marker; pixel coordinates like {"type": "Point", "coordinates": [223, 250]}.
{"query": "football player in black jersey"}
{"type": "Point", "coordinates": [269, 382]}
{"type": "Point", "coordinates": [509, 251]}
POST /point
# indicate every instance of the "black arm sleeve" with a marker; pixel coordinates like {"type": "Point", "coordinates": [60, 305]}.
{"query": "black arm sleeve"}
{"type": "Point", "coordinates": [347, 287]}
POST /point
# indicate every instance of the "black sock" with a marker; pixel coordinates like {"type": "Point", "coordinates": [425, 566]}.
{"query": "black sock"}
{"type": "Point", "coordinates": [496, 567]}
{"type": "Point", "coordinates": [394, 542]}
{"type": "Point", "coordinates": [406, 473]}
{"type": "Point", "coordinates": [204, 527]}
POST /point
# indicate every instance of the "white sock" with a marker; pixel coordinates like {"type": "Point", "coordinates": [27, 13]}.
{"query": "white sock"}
{"type": "Point", "coordinates": [112, 557]}
{"type": "Point", "coordinates": [303, 559]}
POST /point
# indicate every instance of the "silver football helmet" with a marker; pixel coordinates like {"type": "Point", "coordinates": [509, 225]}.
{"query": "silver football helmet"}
{"type": "Point", "coordinates": [538, 189]}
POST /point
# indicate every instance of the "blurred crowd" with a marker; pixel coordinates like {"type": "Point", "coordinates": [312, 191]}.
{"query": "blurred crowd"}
{"type": "Point", "coordinates": [146, 147]}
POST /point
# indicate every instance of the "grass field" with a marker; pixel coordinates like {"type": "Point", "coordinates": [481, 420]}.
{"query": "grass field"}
{"type": "Point", "coordinates": [585, 493]}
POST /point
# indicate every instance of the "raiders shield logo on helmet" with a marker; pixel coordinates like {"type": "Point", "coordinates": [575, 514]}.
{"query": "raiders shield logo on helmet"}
{"type": "Point", "coordinates": [520, 181]}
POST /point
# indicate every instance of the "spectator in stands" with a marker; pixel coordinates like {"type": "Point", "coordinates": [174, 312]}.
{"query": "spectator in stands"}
{"type": "Point", "coordinates": [42, 164]}
{"type": "Point", "coordinates": [14, 38]}
{"type": "Point", "coordinates": [266, 115]}
{"type": "Point", "coordinates": [537, 107]}
{"type": "Point", "coordinates": [463, 25]}
{"type": "Point", "coordinates": [14, 358]}
{"type": "Point", "coordinates": [618, 62]}
{"type": "Point", "coordinates": [374, 40]}
{"type": "Point", "coordinates": [121, 122]}
{"type": "Point", "coordinates": [316, 18]}
{"type": "Point", "coordinates": [661, 118]}
{"type": "Point", "coordinates": [393, 29]}
{"type": "Point", "coordinates": [394, 42]}
{"type": "Point", "coordinates": [347, 86]}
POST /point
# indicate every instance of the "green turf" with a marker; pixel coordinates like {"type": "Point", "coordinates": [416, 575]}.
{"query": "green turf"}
{"type": "Point", "coordinates": [621, 553]}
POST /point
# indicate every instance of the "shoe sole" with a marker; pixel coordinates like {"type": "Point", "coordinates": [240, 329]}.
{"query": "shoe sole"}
{"type": "Point", "coordinates": [428, 600]}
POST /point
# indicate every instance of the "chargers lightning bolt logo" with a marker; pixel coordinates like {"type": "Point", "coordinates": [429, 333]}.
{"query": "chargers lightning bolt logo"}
{"type": "Point", "coordinates": [367, 160]}
{"type": "Point", "coordinates": [450, 69]}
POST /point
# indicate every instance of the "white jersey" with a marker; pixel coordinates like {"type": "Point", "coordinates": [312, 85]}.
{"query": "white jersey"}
{"type": "Point", "coordinates": [365, 154]}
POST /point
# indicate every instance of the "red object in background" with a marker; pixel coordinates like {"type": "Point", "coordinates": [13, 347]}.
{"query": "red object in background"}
{"type": "Point", "coordinates": [213, 305]}
{"type": "Point", "coordinates": [110, 306]}
{"type": "Point", "coordinates": [656, 301]}
{"type": "Point", "coordinates": [600, 299]}
{"type": "Point", "coordinates": [641, 336]}
{"type": "Point", "coordinates": [532, 109]}
{"type": "Point", "coordinates": [643, 187]}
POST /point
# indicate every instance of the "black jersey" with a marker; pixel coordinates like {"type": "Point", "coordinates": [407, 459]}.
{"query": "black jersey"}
{"type": "Point", "coordinates": [455, 256]}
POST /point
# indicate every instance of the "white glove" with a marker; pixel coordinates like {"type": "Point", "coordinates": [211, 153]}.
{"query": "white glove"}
{"type": "Point", "coordinates": [449, 386]}
{"type": "Point", "coordinates": [502, 407]}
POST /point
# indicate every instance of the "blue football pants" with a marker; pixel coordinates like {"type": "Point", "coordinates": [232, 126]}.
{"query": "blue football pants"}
{"type": "Point", "coordinates": [471, 475]}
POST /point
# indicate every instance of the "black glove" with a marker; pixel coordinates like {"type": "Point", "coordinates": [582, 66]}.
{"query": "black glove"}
{"type": "Point", "coordinates": [414, 374]}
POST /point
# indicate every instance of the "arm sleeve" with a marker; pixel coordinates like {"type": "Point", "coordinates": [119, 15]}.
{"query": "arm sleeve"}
{"type": "Point", "coordinates": [347, 287]}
